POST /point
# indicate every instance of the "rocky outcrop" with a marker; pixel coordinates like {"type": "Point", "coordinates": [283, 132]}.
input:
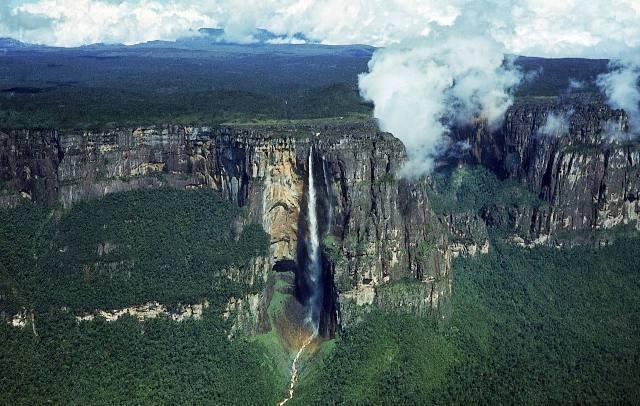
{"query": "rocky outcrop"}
{"type": "Point", "coordinates": [468, 234]}
{"type": "Point", "coordinates": [384, 227]}
{"type": "Point", "coordinates": [149, 310]}
{"type": "Point", "coordinates": [247, 312]}
{"type": "Point", "coordinates": [574, 153]}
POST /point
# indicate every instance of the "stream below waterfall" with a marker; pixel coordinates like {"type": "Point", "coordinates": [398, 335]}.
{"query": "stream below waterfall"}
{"type": "Point", "coordinates": [294, 370]}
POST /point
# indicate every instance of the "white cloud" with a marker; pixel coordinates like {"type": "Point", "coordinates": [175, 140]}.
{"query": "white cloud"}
{"type": "Point", "coordinates": [556, 124]}
{"type": "Point", "coordinates": [614, 130]}
{"type": "Point", "coordinates": [575, 84]}
{"type": "Point", "coordinates": [533, 75]}
{"type": "Point", "coordinates": [422, 86]}
{"type": "Point", "coordinates": [597, 28]}
{"type": "Point", "coordinates": [77, 22]}
{"type": "Point", "coordinates": [375, 22]}
{"type": "Point", "coordinates": [287, 40]}
{"type": "Point", "coordinates": [456, 73]}
{"type": "Point", "coordinates": [621, 85]}
{"type": "Point", "coordinates": [606, 28]}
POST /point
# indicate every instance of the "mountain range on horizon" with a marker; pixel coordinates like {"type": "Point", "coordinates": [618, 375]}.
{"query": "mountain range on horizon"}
{"type": "Point", "coordinates": [202, 38]}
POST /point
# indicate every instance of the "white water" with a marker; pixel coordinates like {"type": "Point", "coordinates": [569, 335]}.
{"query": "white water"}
{"type": "Point", "coordinates": [294, 370]}
{"type": "Point", "coordinates": [327, 186]}
{"type": "Point", "coordinates": [313, 252]}
{"type": "Point", "coordinates": [314, 270]}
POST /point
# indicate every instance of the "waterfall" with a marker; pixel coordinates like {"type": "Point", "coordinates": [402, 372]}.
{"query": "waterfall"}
{"type": "Point", "coordinates": [327, 187]}
{"type": "Point", "coordinates": [314, 269]}
{"type": "Point", "coordinates": [313, 274]}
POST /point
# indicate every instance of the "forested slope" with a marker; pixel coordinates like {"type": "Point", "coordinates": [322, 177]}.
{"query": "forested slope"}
{"type": "Point", "coordinates": [528, 327]}
{"type": "Point", "coordinates": [160, 245]}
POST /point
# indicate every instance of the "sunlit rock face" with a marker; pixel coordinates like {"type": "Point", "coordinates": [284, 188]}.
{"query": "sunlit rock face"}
{"type": "Point", "coordinates": [258, 174]}
{"type": "Point", "coordinates": [281, 198]}
{"type": "Point", "coordinates": [149, 310]}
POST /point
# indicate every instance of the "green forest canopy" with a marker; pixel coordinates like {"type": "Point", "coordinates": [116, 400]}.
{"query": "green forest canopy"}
{"type": "Point", "coordinates": [528, 326]}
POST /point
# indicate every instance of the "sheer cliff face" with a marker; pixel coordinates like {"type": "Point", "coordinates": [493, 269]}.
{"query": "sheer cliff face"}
{"type": "Point", "coordinates": [571, 152]}
{"type": "Point", "coordinates": [381, 230]}
{"type": "Point", "coordinates": [385, 228]}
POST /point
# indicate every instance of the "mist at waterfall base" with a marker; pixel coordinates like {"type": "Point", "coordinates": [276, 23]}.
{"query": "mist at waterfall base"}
{"type": "Point", "coordinates": [313, 289]}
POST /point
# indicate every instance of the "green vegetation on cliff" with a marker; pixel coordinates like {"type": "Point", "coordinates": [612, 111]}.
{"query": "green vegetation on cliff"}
{"type": "Point", "coordinates": [474, 188]}
{"type": "Point", "coordinates": [528, 327]}
{"type": "Point", "coordinates": [165, 245]}
{"type": "Point", "coordinates": [128, 248]}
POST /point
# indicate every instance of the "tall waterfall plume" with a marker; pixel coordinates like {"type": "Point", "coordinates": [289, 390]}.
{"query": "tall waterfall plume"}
{"type": "Point", "coordinates": [314, 268]}
{"type": "Point", "coordinates": [327, 186]}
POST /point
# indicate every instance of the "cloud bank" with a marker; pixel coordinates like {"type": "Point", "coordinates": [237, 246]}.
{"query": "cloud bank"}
{"type": "Point", "coordinates": [78, 22]}
{"type": "Point", "coordinates": [423, 86]}
{"type": "Point", "coordinates": [598, 28]}
{"type": "Point", "coordinates": [457, 73]}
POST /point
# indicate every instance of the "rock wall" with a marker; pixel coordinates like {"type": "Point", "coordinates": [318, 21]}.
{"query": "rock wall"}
{"type": "Point", "coordinates": [382, 229]}
{"type": "Point", "coordinates": [587, 169]}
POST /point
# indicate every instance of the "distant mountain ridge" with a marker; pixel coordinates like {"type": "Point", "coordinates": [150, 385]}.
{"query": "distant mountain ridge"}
{"type": "Point", "coordinates": [13, 43]}
{"type": "Point", "coordinates": [202, 39]}
{"type": "Point", "coordinates": [260, 36]}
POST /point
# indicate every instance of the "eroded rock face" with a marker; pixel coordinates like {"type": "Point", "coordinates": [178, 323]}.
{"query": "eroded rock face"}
{"type": "Point", "coordinates": [385, 228]}
{"type": "Point", "coordinates": [283, 188]}
{"type": "Point", "coordinates": [149, 310]}
{"type": "Point", "coordinates": [468, 234]}
{"type": "Point", "coordinates": [382, 229]}
{"type": "Point", "coordinates": [247, 312]}
{"type": "Point", "coordinates": [587, 172]}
